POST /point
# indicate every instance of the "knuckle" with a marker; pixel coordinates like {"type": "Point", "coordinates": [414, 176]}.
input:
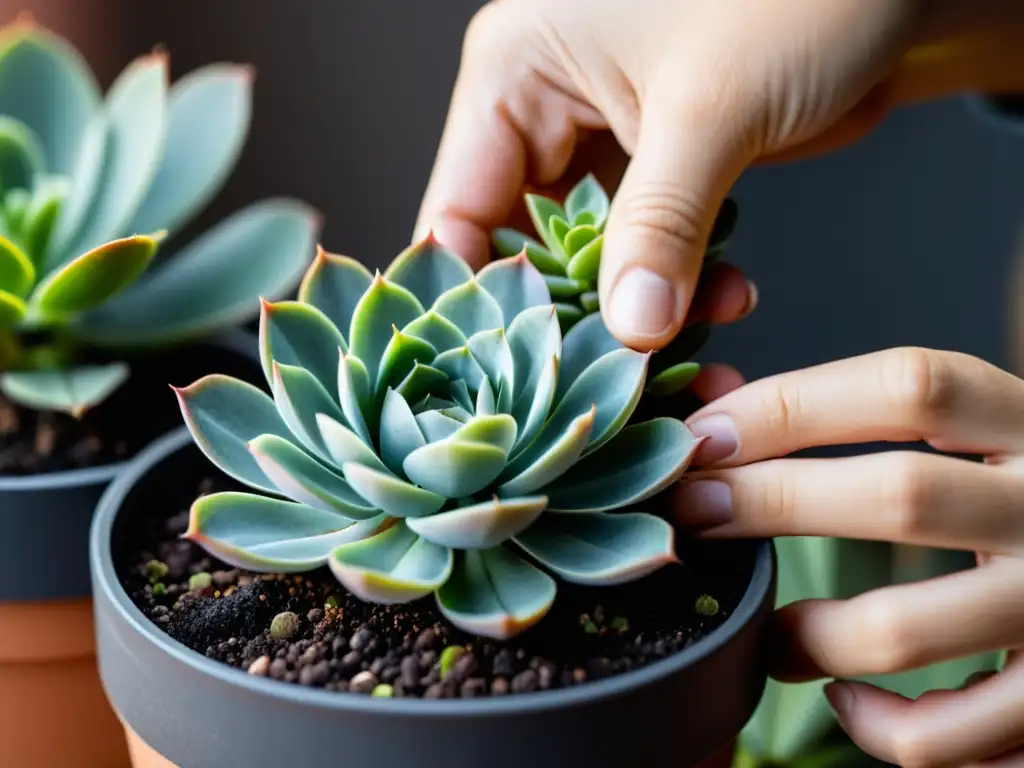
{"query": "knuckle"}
{"type": "Point", "coordinates": [911, 491]}
{"type": "Point", "coordinates": [664, 212]}
{"type": "Point", "coordinates": [488, 30]}
{"type": "Point", "coordinates": [921, 383]}
{"type": "Point", "coordinates": [891, 641]}
{"type": "Point", "coordinates": [782, 408]}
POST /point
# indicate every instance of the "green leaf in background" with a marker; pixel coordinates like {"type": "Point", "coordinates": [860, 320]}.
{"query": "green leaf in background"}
{"type": "Point", "coordinates": [72, 391]}
{"type": "Point", "coordinates": [21, 155]}
{"type": "Point", "coordinates": [541, 211]}
{"type": "Point", "coordinates": [208, 116]}
{"type": "Point", "coordinates": [47, 85]}
{"type": "Point", "coordinates": [12, 309]}
{"type": "Point", "coordinates": [17, 274]}
{"type": "Point", "coordinates": [94, 277]}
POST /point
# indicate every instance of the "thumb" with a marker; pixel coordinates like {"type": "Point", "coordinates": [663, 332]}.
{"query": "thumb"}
{"type": "Point", "coordinates": [686, 160]}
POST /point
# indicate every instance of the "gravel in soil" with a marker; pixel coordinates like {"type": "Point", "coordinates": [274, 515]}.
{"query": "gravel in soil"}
{"type": "Point", "coordinates": [306, 629]}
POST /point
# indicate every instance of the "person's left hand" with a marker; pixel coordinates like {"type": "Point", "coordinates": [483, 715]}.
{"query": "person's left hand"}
{"type": "Point", "coordinates": [956, 403]}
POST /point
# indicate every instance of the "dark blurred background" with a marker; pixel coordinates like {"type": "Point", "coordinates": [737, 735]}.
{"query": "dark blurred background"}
{"type": "Point", "coordinates": [907, 238]}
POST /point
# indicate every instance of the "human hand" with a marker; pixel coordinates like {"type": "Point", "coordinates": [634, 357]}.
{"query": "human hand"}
{"type": "Point", "coordinates": [956, 403]}
{"type": "Point", "coordinates": [693, 91]}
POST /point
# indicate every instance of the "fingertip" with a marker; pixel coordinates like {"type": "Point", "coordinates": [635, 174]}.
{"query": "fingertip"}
{"type": "Point", "coordinates": [643, 309]}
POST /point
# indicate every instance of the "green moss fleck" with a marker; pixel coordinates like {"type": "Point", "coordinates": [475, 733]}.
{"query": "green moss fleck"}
{"type": "Point", "coordinates": [199, 581]}
{"type": "Point", "coordinates": [620, 624]}
{"type": "Point", "coordinates": [159, 590]}
{"type": "Point", "coordinates": [383, 691]}
{"type": "Point", "coordinates": [449, 656]}
{"type": "Point", "coordinates": [706, 605]}
{"type": "Point", "coordinates": [590, 628]}
{"type": "Point", "coordinates": [155, 570]}
{"type": "Point", "coordinates": [284, 625]}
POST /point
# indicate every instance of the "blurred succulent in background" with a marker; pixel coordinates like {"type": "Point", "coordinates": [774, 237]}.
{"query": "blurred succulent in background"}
{"type": "Point", "coordinates": [431, 426]}
{"type": "Point", "coordinates": [80, 175]}
{"type": "Point", "coordinates": [569, 257]}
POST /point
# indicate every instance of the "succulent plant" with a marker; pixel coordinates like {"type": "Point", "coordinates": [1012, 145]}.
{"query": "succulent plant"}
{"type": "Point", "coordinates": [81, 175]}
{"type": "Point", "coordinates": [570, 258]}
{"type": "Point", "coordinates": [431, 431]}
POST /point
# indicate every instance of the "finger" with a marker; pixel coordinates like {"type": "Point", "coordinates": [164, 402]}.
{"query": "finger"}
{"type": "Point", "coordinates": [688, 155]}
{"type": "Point", "coordinates": [980, 723]}
{"type": "Point", "coordinates": [716, 380]}
{"type": "Point", "coordinates": [506, 126]}
{"type": "Point", "coordinates": [902, 627]}
{"type": "Point", "coordinates": [903, 496]}
{"type": "Point", "coordinates": [954, 401]}
{"type": "Point", "coordinates": [723, 296]}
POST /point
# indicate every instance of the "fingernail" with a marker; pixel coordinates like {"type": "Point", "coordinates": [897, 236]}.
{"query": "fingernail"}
{"type": "Point", "coordinates": [642, 304]}
{"type": "Point", "coordinates": [752, 297]}
{"type": "Point", "coordinates": [704, 503]}
{"type": "Point", "coordinates": [722, 440]}
{"type": "Point", "coordinates": [841, 697]}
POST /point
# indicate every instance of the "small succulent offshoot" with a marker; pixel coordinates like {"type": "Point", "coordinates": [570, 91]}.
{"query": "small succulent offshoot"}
{"type": "Point", "coordinates": [569, 257]}
{"type": "Point", "coordinates": [427, 428]}
{"type": "Point", "coordinates": [90, 185]}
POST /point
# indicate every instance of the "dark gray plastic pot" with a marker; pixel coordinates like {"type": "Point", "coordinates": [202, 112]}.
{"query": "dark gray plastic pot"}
{"type": "Point", "coordinates": [182, 709]}
{"type": "Point", "coordinates": [48, 669]}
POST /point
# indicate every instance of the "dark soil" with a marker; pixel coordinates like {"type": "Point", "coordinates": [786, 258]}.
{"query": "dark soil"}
{"type": "Point", "coordinates": [330, 639]}
{"type": "Point", "coordinates": [33, 442]}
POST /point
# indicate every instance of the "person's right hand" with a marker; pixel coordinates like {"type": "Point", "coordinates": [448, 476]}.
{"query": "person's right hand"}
{"type": "Point", "coordinates": [693, 90]}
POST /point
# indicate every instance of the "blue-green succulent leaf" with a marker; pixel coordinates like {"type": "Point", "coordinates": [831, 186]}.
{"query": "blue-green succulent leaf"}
{"type": "Point", "coordinates": [223, 415]}
{"type": "Point", "coordinates": [459, 393]}
{"type": "Point", "coordinates": [600, 548]}
{"type": "Point", "coordinates": [90, 167]}
{"type": "Point", "coordinates": [356, 396]}
{"type": "Point", "coordinates": [400, 434]}
{"type": "Point", "coordinates": [486, 403]}
{"type": "Point", "coordinates": [562, 288]}
{"type": "Point", "coordinates": [639, 462]}
{"type": "Point", "coordinates": [542, 210]}
{"type": "Point", "coordinates": [334, 284]}
{"type": "Point", "coordinates": [71, 390]}
{"type": "Point", "coordinates": [460, 364]}
{"type": "Point", "coordinates": [440, 333]}
{"type": "Point", "coordinates": [535, 341]}
{"type": "Point", "coordinates": [470, 308]}
{"type": "Point", "coordinates": [263, 534]}
{"type": "Point", "coordinates": [47, 84]}
{"type": "Point", "coordinates": [302, 478]}
{"type": "Point", "coordinates": [400, 356]}
{"type": "Point", "coordinates": [208, 115]}
{"type": "Point", "coordinates": [395, 566]}
{"type": "Point", "coordinates": [498, 430]}
{"type": "Point", "coordinates": [422, 380]}
{"type": "Point", "coordinates": [17, 273]}
{"type": "Point", "coordinates": [298, 334]}
{"type": "Point", "coordinates": [392, 494]}
{"type": "Point", "coordinates": [453, 467]}
{"type": "Point", "coordinates": [511, 243]}
{"type": "Point", "coordinates": [588, 340]}
{"type": "Point", "coordinates": [21, 154]}
{"type": "Point", "coordinates": [136, 108]}
{"type": "Point", "coordinates": [493, 354]}
{"type": "Point", "coordinates": [299, 398]}
{"type": "Point", "coordinates": [480, 526]}
{"type": "Point", "coordinates": [515, 284]}
{"type": "Point", "coordinates": [588, 196]}
{"type": "Point", "coordinates": [428, 269]}
{"type": "Point", "coordinates": [40, 216]}
{"type": "Point", "coordinates": [495, 593]}
{"type": "Point", "coordinates": [568, 315]}
{"type": "Point", "coordinates": [384, 304]}
{"type": "Point", "coordinates": [345, 446]}
{"type": "Point", "coordinates": [437, 426]}
{"type": "Point", "coordinates": [673, 380]}
{"type": "Point", "coordinates": [556, 461]}
{"type": "Point", "coordinates": [212, 283]}
{"type": "Point", "coordinates": [586, 260]}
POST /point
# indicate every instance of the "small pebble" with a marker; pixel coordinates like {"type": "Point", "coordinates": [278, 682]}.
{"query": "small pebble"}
{"type": "Point", "coordinates": [284, 625]}
{"type": "Point", "coordinates": [260, 667]}
{"type": "Point", "coordinates": [364, 682]}
{"type": "Point", "coordinates": [525, 682]}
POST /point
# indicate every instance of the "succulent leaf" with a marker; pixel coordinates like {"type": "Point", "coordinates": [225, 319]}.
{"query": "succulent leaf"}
{"type": "Point", "coordinates": [568, 315]}
{"type": "Point", "coordinates": [486, 403]}
{"type": "Point", "coordinates": [345, 446]}
{"type": "Point", "coordinates": [394, 566]}
{"type": "Point", "coordinates": [600, 548]}
{"type": "Point", "coordinates": [384, 305]}
{"type": "Point", "coordinates": [555, 461]}
{"type": "Point", "coordinates": [259, 533]}
{"type": "Point", "coordinates": [440, 333]}
{"type": "Point", "coordinates": [590, 301]}
{"type": "Point", "coordinates": [437, 426]}
{"type": "Point", "coordinates": [542, 210]}
{"type": "Point", "coordinates": [40, 216]}
{"type": "Point", "coordinates": [427, 269]}
{"type": "Point", "coordinates": [491, 351]}
{"type": "Point", "coordinates": [673, 380]}
{"type": "Point", "coordinates": [356, 396]}
{"type": "Point", "coordinates": [515, 284]}
{"type": "Point", "coordinates": [17, 273]}
{"type": "Point", "coordinates": [12, 309]}
{"type": "Point", "coordinates": [459, 364]}
{"type": "Point", "coordinates": [71, 390]}
{"type": "Point", "coordinates": [495, 593]}
{"type": "Point", "coordinates": [588, 197]}
{"type": "Point", "coordinates": [584, 344]}
{"type": "Point", "coordinates": [639, 462]}
{"type": "Point", "coordinates": [400, 434]}
{"type": "Point", "coordinates": [46, 84]}
{"type": "Point", "coordinates": [561, 287]}
{"type": "Point", "coordinates": [421, 381]}
{"type": "Point", "coordinates": [559, 228]}
{"type": "Point", "coordinates": [96, 276]}
{"type": "Point", "coordinates": [300, 398]}
{"type": "Point", "coordinates": [21, 154]}
{"type": "Point", "coordinates": [392, 494]}
{"type": "Point", "coordinates": [208, 114]}
{"type": "Point", "coordinates": [400, 356]}
{"type": "Point", "coordinates": [479, 526]}
{"type": "Point", "coordinates": [586, 260]}
{"type": "Point", "coordinates": [209, 285]}
{"type": "Point", "coordinates": [510, 243]}
{"type": "Point", "coordinates": [334, 284]}
{"type": "Point", "coordinates": [535, 341]}
{"type": "Point", "coordinates": [498, 430]}
{"type": "Point", "coordinates": [224, 415]}
{"type": "Point", "coordinates": [454, 468]}
{"type": "Point", "coordinates": [298, 334]}
{"type": "Point", "coordinates": [136, 108]}
{"type": "Point", "coordinates": [302, 478]}
{"type": "Point", "coordinates": [682, 347]}
{"type": "Point", "coordinates": [470, 307]}
{"type": "Point", "coordinates": [577, 238]}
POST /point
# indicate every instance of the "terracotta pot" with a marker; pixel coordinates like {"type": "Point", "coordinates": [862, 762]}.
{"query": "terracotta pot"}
{"type": "Point", "coordinates": [182, 710]}
{"type": "Point", "coordinates": [53, 712]}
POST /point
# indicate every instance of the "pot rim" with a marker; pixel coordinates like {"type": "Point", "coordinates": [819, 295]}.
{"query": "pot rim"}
{"type": "Point", "coordinates": [237, 340]}
{"type": "Point", "coordinates": [111, 591]}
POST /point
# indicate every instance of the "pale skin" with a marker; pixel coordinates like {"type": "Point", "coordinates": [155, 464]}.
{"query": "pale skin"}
{"type": "Point", "coordinates": [671, 101]}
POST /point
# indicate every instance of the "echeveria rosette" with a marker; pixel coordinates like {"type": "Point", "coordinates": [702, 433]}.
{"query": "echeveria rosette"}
{"type": "Point", "coordinates": [90, 185]}
{"type": "Point", "coordinates": [431, 431]}
{"type": "Point", "coordinates": [569, 256]}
